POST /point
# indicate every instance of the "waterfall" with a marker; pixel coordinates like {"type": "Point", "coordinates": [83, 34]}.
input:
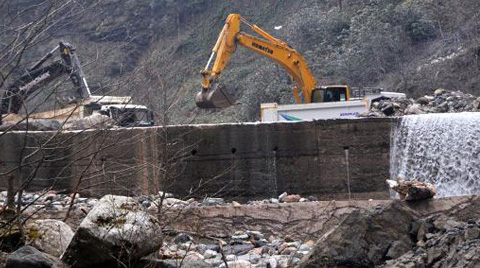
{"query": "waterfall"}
{"type": "Point", "coordinates": [443, 149]}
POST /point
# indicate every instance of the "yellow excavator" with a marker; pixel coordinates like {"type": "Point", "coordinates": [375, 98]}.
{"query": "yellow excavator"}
{"type": "Point", "coordinates": [213, 95]}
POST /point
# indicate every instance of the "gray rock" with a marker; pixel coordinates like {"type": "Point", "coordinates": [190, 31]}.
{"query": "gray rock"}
{"type": "Point", "coordinates": [239, 249]}
{"type": "Point", "coordinates": [182, 238]}
{"type": "Point", "coordinates": [397, 249]}
{"type": "Point", "coordinates": [260, 243]}
{"type": "Point", "coordinates": [115, 229]}
{"type": "Point", "coordinates": [202, 248]}
{"type": "Point", "coordinates": [439, 91]}
{"type": "Point", "coordinates": [252, 258]}
{"type": "Point", "coordinates": [208, 254]}
{"type": "Point", "coordinates": [423, 101]}
{"type": "Point", "coordinates": [272, 262]}
{"type": "Point", "coordinates": [357, 240]}
{"type": "Point", "coordinates": [210, 201]}
{"type": "Point", "coordinates": [255, 235]}
{"type": "Point", "coordinates": [151, 262]}
{"type": "Point", "coordinates": [49, 236]}
{"type": "Point", "coordinates": [274, 201]}
{"type": "Point", "coordinates": [30, 257]}
{"type": "Point", "coordinates": [240, 237]}
{"type": "Point", "coordinates": [472, 232]}
{"type": "Point", "coordinates": [304, 247]}
{"type": "Point", "coordinates": [237, 264]}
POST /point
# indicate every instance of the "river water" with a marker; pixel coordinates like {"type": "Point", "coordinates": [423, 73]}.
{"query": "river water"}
{"type": "Point", "coordinates": [443, 149]}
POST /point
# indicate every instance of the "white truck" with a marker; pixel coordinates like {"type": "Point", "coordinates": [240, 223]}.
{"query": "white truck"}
{"type": "Point", "coordinates": [273, 112]}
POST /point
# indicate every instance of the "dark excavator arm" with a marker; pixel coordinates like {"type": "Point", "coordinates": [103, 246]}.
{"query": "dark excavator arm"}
{"type": "Point", "coordinates": [37, 76]}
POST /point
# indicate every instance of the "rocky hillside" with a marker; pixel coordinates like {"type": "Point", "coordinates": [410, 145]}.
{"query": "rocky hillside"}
{"type": "Point", "coordinates": [147, 48]}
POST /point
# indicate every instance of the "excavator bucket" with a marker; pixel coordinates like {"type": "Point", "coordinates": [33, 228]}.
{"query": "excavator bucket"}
{"type": "Point", "coordinates": [215, 97]}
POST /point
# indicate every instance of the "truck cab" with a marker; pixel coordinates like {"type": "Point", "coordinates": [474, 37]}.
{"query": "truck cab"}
{"type": "Point", "coordinates": [331, 93]}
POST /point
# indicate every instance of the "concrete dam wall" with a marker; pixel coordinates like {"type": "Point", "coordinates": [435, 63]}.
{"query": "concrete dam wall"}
{"type": "Point", "coordinates": [324, 158]}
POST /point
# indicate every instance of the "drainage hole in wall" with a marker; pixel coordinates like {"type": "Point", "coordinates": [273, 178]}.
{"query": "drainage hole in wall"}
{"type": "Point", "coordinates": [194, 151]}
{"type": "Point", "coordinates": [234, 150]}
{"type": "Point", "coordinates": [275, 148]}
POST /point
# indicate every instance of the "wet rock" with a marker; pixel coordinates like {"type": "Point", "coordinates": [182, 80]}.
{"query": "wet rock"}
{"type": "Point", "coordinates": [49, 236]}
{"type": "Point", "coordinates": [412, 190]}
{"type": "Point", "coordinates": [30, 257]}
{"type": "Point", "coordinates": [115, 229]}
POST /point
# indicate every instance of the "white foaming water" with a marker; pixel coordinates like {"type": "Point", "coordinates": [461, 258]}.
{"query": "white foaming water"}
{"type": "Point", "coordinates": [443, 149]}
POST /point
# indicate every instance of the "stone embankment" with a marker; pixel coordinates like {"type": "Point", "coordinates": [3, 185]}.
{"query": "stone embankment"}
{"type": "Point", "coordinates": [288, 231]}
{"type": "Point", "coordinates": [442, 101]}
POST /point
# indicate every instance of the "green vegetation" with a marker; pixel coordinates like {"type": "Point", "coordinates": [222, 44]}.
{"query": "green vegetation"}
{"type": "Point", "coordinates": [411, 46]}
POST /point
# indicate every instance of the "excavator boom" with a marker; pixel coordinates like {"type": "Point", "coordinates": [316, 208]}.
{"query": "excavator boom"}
{"type": "Point", "coordinates": [38, 76]}
{"type": "Point", "coordinates": [215, 96]}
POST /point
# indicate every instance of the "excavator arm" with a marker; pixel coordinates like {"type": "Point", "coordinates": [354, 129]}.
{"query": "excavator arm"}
{"type": "Point", "coordinates": [38, 76]}
{"type": "Point", "coordinates": [213, 96]}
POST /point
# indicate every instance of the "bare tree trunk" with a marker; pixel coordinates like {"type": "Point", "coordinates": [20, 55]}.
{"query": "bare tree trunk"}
{"type": "Point", "coordinates": [10, 192]}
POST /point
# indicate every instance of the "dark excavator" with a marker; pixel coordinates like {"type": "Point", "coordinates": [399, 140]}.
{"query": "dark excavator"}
{"type": "Point", "coordinates": [79, 104]}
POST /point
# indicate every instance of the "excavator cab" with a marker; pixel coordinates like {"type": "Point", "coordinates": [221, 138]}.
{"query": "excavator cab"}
{"type": "Point", "coordinates": [331, 94]}
{"type": "Point", "coordinates": [216, 96]}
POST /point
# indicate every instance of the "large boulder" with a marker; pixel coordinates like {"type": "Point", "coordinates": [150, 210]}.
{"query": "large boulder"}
{"type": "Point", "coordinates": [30, 257]}
{"type": "Point", "coordinates": [364, 238]}
{"type": "Point", "coordinates": [114, 231]}
{"type": "Point", "coordinates": [49, 236]}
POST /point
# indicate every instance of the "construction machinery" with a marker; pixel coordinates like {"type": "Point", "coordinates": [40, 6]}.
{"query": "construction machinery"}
{"type": "Point", "coordinates": [78, 105]}
{"type": "Point", "coordinates": [213, 95]}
